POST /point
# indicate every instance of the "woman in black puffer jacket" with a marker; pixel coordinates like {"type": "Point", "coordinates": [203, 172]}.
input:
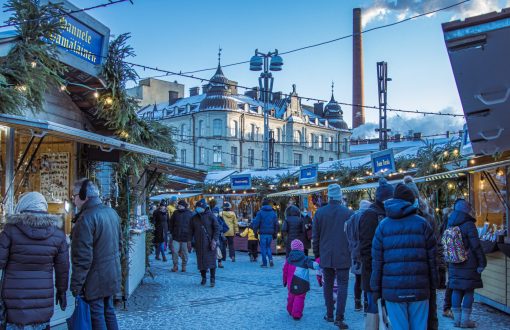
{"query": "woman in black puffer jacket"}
{"type": "Point", "coordinates": [33, 246]}
{"type": "Point", "coordinates": [293, 227]}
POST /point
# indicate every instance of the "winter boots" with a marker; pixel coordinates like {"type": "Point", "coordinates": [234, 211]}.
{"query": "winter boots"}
{"type": "Point", "coordinates": [339, 322]}
{"type": "Point", "coordinates": [183, 269]}
{"type": "Point", "coordinates": [357, 305]}
{"type": "Point", "coordinates": [457, 314]}
{"type": "Point", "coordinates": [271, 263]}
{"type": "Point", "coordinates": [164, 258]}
{"type": "Point", "coordinates": [175, 268]}
{"type": "Point", "coordinates": [372, 321]}
{"type": "Point", "coordinates": [465, 320]}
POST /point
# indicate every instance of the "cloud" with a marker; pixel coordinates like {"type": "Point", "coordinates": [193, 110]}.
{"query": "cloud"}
{"type": "Point", "coordinates": [427, 125]}
{"type": "Point", "coordinates": [380, 9]}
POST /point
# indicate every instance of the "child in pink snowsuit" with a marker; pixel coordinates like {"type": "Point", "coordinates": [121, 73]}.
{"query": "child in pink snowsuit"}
{"type": "Point", "coordinates": [296, 278]}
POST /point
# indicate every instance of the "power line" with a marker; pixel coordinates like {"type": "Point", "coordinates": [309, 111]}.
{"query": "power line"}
{"type": "Point", "coordinates": [343, 37]}
{"type": "Point", "coordinates": [65, 13]}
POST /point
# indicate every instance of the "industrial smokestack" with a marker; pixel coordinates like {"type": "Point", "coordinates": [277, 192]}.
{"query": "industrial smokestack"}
{"type": "Point", "coordinates": [358, 112]}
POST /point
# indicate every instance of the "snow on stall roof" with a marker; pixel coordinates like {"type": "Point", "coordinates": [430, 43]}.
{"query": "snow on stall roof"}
{"type": "Point", "coordinates": [218, 176]}
{"type": "Point", "coordinates": [181, 179]}
{"type": "Point", "coordinates": [273, 174]}
{"type": "Point", "coordinates": [402, 144]}
{"type": "Point", "coordinates": [351, 162]}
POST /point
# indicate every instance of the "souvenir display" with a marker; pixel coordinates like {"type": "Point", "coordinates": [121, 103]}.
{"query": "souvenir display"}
{"type": "Point", "coordinates": [54, 173]}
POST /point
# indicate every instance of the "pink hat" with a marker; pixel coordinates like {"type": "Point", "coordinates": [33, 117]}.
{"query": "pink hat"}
{"type": "Point", "coordinates": [297, 245]}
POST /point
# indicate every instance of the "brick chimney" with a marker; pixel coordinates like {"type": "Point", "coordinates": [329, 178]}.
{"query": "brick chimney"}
{"type": "Point", "coordinates": [358, 112]}
{"type": "Point", "coordinates": [173, 96]}
{"type": "Point", "coordinates": [194, 91]}
{"type": "Point", "coordinates": [318, 109]}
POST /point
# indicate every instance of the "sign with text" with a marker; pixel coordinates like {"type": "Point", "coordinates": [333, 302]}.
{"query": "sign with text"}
{"type": "Point", "coordinates": [240, 181]}
{"type": "Point", "coordinates": [308, 174]}
{"type": "Point", "coordinates": [383, 161]}
{"type": "Point", "coordinates": [79, 40]}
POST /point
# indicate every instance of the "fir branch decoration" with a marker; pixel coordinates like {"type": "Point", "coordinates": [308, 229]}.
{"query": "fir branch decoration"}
{"type": "Point", "coordinates": [32, 65]}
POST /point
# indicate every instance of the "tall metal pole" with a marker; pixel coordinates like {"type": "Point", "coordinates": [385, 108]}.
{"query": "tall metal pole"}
{"type": "Point", "coordinates": [382, 86]}
{"type": "Point", "coordinates": [266, 85]}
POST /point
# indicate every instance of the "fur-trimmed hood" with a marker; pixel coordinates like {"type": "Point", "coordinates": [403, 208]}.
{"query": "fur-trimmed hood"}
{"type": "Point", "coordinates": [36, 225]}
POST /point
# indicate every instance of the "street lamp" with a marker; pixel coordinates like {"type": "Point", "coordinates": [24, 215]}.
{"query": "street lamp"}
{"type": "Point", "coordinates": [258, 62]}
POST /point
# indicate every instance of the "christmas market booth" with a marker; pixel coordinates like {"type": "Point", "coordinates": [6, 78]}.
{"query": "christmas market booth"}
{"type": "Point", "coordinates": [64, 116]}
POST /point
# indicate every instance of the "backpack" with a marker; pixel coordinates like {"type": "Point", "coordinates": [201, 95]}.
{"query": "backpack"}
{"type": "Point", "coordinates": [454, 251]}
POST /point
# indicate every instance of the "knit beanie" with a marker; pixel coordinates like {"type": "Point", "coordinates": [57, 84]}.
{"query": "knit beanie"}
{"type": "Point", "coordinates": [173, 199]}
{"type": "Point", "coordinates": [462, 205]}
{"type": "Point", "coordinates": [402, 191]}
{"type": "Point", "coordinates": [364, 204]}
{"type": "Point", "coordinates": [297, 245]}
{"type": "Point", "coordinates": [384, 191]}
{"type": "Point", "coordinates": [201, 203]}
{"type": "Point", "coordinates": [182, 202]}
{"type": "Point", "coordinates": [335, 192]}
{"type": "Point", "coordinates": [408, 180]}
{"type": "Point", "coordinates": [265, 201]}
{"type": "Point", "coordinates": [31, 202]}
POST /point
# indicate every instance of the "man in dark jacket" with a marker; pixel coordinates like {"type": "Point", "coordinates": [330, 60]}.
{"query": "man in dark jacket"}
{"type": "Point", "coordinates": [368, 223]}
{"type": "Point", "coordinates": [331, 246]}
{"type": "Point", "coordinates": [181, 236]}
{"type": "Point", "coordinates": [161, 221]}
{"type": "Point", "coordinates": [404, 262]}
{"type": "Point", "coordinates": [205, 230]}
{"type": "Point", "coordinates": [33, 246]}
{"type": "Point", "coordinates": [95, 251]}
{"type": "Point", "coordinates": [266, 226]}
{"type": "Point", "coordinates": [293, 227]}
{"type": "Point", "coordinates": [465, 277]}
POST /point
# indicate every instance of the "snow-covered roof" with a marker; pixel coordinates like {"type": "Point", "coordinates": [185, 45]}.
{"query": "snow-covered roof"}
{"type": "Point", "coordinates": [216, 177]}
{"type": "Point", "coordinates": [351, 162]}
{"type": "Point", "coordinates": [371, 147]}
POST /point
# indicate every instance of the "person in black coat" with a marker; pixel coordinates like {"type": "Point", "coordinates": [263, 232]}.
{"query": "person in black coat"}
{"type": "Point", "coordinates": [465, 277]}
{"type": "Point", "coordinates": [368, 222]}
{"type": "Point", "coordinates": [32, 247]}
{"type": "Point", "coordinates": [161, 225]}
{"type": "Point", "coordinates": [181, 237]}
{"type": "Point", "coordinates": [404, 261]}
{"type": "Point", "coordinates": [293, 227]}
{"type": "Point", "coordinates": [307, 219]}
{"type": "Point", "coordinates": [205, 231]}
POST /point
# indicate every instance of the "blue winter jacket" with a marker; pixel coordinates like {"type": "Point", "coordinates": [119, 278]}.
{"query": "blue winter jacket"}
{"type": "Point", "coordinates": [266, 221]}
{"type": "Point", "coordinates": [403, 255]}
{"type": "Point", "coordinates": [464, 276]}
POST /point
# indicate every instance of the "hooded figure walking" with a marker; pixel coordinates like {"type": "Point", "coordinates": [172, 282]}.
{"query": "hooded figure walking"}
{"type": "Point", "coordinates": [204, 229]}
{"type": "Point", "coordinates": [32, 246]}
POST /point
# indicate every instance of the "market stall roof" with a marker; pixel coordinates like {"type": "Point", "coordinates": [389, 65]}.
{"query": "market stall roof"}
{"type": "Point", "coordinates": [78, 135]}
{"type": "Point", "coordinates": [158, 198]}
{"type": "Point", "coordinates": [297, 192]}
{"type": "Point", "coordinates": [463, 171]}
{"type": "Point", "coordinates": [371, 186]}
{"type": "Point", "coordinates": [180, 173]}
{"type": "Point", "coordinates": [230, 195]}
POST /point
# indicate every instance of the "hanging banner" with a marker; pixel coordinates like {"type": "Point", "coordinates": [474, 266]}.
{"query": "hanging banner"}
{"type": "Point", "coordinates": [308, 174]}
{"type": "Point", "coordinates": [383, 161]}
{"type": "Point", "coordinates": [240, 181]}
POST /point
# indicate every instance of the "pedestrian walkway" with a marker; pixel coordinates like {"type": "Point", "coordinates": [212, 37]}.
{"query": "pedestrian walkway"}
{"type": "Point", "coordinates": [245, 297]}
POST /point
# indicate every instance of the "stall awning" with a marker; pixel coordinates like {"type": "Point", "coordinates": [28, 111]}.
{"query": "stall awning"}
{"type": "Point", "coordinates": [371, 186]}
{"type": "Point", "coordinates": [78, 135]}
{"type": "Point", "coordinates": [297, 192]}
{"type": "Point", "coordinates": [158, 198]}
{"type": "Point", "coordinates": [230, 195]}
{"type": "Point", "coordinates": [463, 171]}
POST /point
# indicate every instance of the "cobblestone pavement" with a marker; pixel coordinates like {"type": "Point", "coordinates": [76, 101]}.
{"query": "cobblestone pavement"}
{"type": "Point", "coordinates": [245, 297]}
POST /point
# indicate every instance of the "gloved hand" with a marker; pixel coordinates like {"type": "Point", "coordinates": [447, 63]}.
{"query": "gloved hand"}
{"type": "Point", "coordinates": [480, 269]}
{"type": "Point", "coordinates": [61, 299]}
{"type": "Point", "coordinates": [213, 245]}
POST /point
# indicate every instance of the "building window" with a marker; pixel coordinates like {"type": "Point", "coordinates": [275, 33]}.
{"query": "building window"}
{"type": "Point", "coordinates": [298, 159]}
{"type": "Point", "coordinates": [330, 143]}
{"type": "Point", "coordinates": [233, 155]}
{"type": "Point", "coordinates": [321, 140]}
{"type": "Point", "coordinates": [183, 156]}
{"type": "Point", "coordinates": [217, 127]}
{"type": "Point", "coordinates": [217, 155]}
{"type": "Point", "coordinates": [277, 159]}
{"type": "Point", "coordinates": [346, 145]}
{"type": "Point", "coordinates": [251, 157]}
{"type": "Point", "coordinates": [257, 134]}
{"type": "Point", "coordinates": [321, 160]}
{"type": "Point", "coordinates": [252, 132]}
{"type": "Point", "coordinates": [183, 132]}
{"type": "Point", "coordinates": [200, 128]}
{"type": "Point", "coordinates": [311, 159]}
{"type": "Point", "coordinates": [297, 137]}
{"type": "Point", "coordinates": [201, 155]}
{"type": "Point", "coordinates": [330, 159]}
{"type": "Point", "coordinates": [278, 135]}
{"type": "Point", "coordinates": [234, 128]}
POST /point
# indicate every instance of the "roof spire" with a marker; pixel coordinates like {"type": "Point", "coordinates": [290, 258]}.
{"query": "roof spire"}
{"type": "Point", "coordinates": [219, 55]}
{"type": "Point", "coordinates": [332, 91]}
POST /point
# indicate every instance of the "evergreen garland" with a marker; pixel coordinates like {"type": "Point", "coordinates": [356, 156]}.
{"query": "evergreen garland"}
{"type": "Point", "coordinates": [32, 65]}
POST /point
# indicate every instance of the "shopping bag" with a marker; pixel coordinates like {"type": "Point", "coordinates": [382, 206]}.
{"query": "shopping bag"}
{"type": "Point", "coordinates": [219, 255]}
{"type": "Point", "coordinates": [80, 320]}
{"type": "Point", "coordinates": [384, 320]}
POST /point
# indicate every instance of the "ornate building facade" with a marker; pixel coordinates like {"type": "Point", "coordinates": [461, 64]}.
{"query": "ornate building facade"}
{"type": "Point", "coordinates": [222, 129]}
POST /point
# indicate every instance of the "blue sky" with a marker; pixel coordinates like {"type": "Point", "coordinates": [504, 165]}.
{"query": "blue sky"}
{"type": "Point", "coordinates": [185, 35]}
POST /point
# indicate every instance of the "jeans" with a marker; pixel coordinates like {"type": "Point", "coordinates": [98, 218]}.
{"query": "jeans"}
{"type": "Point", "coordinates": [408, 316]}
{"type": "Point", "coordinates": [447, 299]}
{"type": "Point", "coordinates": [432, 321]}
{"type": "Point", "coordinates": [265, 248]}
{"type": "Point", "coordinates": [372, 304]}
{"type": "Point", "coordinates": [102, 314]}
{"type": "Point", "coordinates": [160, 249]}
{"type": "Point", "coordinates": [466, 297]}
{"type": "Point", "coordinates": [230, 244]}
{"type": "Point", "coordinates": [342, 279]}
{"type": "Point", "coordinates": [179, 249]}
